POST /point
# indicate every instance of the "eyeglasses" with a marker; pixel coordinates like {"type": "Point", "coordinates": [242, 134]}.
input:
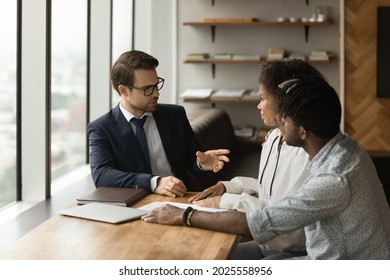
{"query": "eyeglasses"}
{"type": "Point", "coordinates": [148, 90]}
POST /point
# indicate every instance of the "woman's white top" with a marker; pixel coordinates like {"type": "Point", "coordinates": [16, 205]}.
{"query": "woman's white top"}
{"type": "Point", "coordinates": [282, 170]}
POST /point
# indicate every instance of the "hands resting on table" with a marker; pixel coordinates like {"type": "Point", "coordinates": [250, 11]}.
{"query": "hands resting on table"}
{"type": "Point", "coordinates": [228, 221]}
{"type": "Point", "coordinates": [210, 160]}
{"type": "Point", "coordinates": [172, 215]}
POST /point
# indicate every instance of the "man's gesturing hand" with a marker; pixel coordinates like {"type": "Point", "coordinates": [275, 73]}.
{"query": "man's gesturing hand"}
{"type": "Point", "coordinates": [213, 159]}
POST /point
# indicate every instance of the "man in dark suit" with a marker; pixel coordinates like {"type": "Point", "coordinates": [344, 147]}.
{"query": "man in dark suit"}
{"type": "Point", "coordinates": [120, 157]}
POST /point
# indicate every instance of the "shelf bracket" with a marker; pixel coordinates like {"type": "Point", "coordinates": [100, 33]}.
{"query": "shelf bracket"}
{"type": "Point", "coordinates": [306, 33]}
{"type": "Point", "coordinates": [213, 70]}
{"type": "Point", "coordinates": [307, 2]}
{"type": "Point", "coordinates": [212, 33]}
{"type": "Point", "coordinates": [213, 2]}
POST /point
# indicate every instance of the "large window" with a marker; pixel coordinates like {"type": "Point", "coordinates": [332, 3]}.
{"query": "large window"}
{"type": "Point", "coordinates": [8, 99]}
{"type": "Point", "coordinates": [68, 82]}
{"type": "Point", "coordinates": [68, 86]}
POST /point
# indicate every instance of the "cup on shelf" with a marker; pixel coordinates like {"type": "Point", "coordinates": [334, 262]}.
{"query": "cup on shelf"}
{"type": "Point", "coordinates": [321, 18]}
{"type": "Point", "coordinates": [320, 13]}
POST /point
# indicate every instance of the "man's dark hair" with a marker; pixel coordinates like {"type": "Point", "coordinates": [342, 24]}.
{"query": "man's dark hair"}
{"type": "Point", "coordinates": [313, 104]}
{"type": "Point", "coordinates": [122, 72]}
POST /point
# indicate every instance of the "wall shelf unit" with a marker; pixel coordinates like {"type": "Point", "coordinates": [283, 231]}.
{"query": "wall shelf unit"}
{"type": "Point", "coordinates": [250, 35]}
{"type": "Point", "coordinates": [213, 2]}
{"type": "Point", "coordinates": [214, 102]}
{"type": "Point", "coordinates": [213, 62]}
{"type": "Point", "coordinates": [231, 61]}
{"type": "Point", "coordinates": [213, 25]}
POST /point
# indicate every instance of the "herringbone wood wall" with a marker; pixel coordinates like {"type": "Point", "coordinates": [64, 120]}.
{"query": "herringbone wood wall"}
{"type": "Point", "coordinates": [367, 117]}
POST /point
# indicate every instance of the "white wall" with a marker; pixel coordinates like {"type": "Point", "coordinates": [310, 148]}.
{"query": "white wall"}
{"type": "Point", "coordinates": [155, 33]}
{"type": "Point", "coordinates": [100, 58]}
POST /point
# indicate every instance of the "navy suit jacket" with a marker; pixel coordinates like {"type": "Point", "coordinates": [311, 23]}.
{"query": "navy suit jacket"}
{"type": "Point", "coordinates": [116, 161]}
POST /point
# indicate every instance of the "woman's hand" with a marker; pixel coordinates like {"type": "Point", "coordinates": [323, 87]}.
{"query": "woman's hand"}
{"type": "Point", "coordinates": [216, 190]}
{"type": "Point", "coordinates": [211, 202]}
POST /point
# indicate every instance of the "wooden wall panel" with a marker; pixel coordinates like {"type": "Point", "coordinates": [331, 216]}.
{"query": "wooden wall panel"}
{"type": "Point", "coordinates": [367, 118]}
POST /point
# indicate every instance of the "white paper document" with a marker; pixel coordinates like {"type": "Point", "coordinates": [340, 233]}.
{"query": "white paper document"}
{"type": "Point", "coordinates": [151, 206]}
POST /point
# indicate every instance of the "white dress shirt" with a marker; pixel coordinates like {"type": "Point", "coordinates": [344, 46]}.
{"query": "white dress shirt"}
{"type": "Point", "coordinates": [158, 159]}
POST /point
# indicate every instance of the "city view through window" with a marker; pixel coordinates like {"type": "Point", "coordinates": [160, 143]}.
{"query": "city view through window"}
{"type": "Point", "coordinates": [7, 102]}
{"type": "Point", "coordinates": [68, 86]}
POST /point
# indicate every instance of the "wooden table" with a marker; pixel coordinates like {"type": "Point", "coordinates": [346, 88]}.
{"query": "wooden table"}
{"type": "Point", "coordinates": [65, 238]}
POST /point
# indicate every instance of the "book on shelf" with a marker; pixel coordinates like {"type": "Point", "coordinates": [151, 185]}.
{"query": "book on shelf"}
{"type": "Point", "coordinates": [229, 94]}
{"type": "Point", "coordinates": [232, 20]}
{"type": "Point", "coordinates": [318, 55]}
{"type": "Point", "coordinates": [244, 131]}
{"type": "Point", "coordinates": [115, 196]}
{"type": "Point", "coordinates": [252, 94]}
{"type": "Point", "coordinates": [246, 57]}
{"type": "Point", "coordinates": [296, 56]}
{"type": "Point", "coordinates": [222, 56]}
{"type": "Point", "coordinates": [197, 56]}
{"type": "Point", "coordinates": [275, 54]}
{"type": "Point", "coordinates": [197, 93]}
